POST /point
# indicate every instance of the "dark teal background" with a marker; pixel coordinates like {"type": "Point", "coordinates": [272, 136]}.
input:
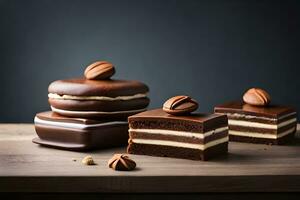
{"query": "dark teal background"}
{"type": "Point", "coordinates": [210, 50]}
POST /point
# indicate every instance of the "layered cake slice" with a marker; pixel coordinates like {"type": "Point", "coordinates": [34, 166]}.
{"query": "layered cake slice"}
{"type": "Point", "coordinates": [256, 121]}
{"type": "Point", "coordinates": [191, 136]}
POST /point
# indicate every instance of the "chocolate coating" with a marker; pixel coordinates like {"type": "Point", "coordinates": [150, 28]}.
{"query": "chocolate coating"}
{"type": "Point", "coordinates": [272, 111]}
{"type": "Point", "coordinates": [158, 119]}
{"type": "Point", "coordinates": [108, 88]}
{"type": "Point", "coordinates": [79, 139]}
{"type": "Point", "coordinates": [105, 106]}
{"type": "Point", "coordinates": [88, 108]}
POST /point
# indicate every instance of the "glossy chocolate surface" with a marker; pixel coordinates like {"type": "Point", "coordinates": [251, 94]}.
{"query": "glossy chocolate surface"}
{"type": "Point", "coordinates": [195, 122]}
{"type": "Point", "coordinates": [108, 88]}
{"type": "Point", "coordinates": [104, 106]}
{"type": "Point", "coordinates": [273, 111]}
{"type": "Point", "coordinates": [52, 116]}
{"type": "Point", "coordinates": [70, 136]}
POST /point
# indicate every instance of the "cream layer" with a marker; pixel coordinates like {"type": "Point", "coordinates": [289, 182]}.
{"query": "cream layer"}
{"type": "Point", "coordinates": [181, 144]}
{"type": "Point", "coordinates": [237, 115]}
{"type": "Point", "coordinates": [74, 125]}
{"type": "Point", "coordinates": [260, 125]}
{"type": "Point", "coordinates": [179, 133]}
{"type": "Point", "coordinates": [96, 112]}
{"type": "Point", "coordinates": [261, 135]}
{"type": "Point", "coordinates": [98, 98]}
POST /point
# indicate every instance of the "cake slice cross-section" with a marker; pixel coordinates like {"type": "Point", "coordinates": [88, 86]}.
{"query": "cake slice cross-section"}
{"type": "Point", "coordinates": [193, 136]}
{"type": "Point", "coordinates": [272, 124]}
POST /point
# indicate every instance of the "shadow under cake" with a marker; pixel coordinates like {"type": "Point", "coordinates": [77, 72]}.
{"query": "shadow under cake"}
{"type": "Point", "coordinates": [194, 136]}
{"type": "Point", "coordinates": [272, 124]}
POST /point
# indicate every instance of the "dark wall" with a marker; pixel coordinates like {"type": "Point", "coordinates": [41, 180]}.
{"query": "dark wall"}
{"type": "Point", "coordinates": [211, 50]}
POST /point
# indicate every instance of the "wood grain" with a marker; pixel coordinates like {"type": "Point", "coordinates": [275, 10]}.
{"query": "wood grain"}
{"type": "Point", "coordinates": [27, 167]}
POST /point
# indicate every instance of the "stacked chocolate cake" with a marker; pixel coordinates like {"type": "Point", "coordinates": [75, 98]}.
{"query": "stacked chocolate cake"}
{"type": "Point", "coordinates": [90, 112]}
{"type": "Point", "coordinates": [256, 121]}
{"type": "Point", "coordinates": [175, 132]}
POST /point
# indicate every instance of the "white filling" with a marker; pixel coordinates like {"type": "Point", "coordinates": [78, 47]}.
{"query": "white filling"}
{"type": "Point", "coordinates": [179, 133]}
{"type": "Point", "coordinates": [95, 112]}
{"type": "Point", "coordinates": [237, 115]}
{"type": "Point", "coordinates": [75, 126]}
{"type": "Point", "coordinates": [261, 135]}
{"type": "Point", "coordinates": [260, 125]}
{"type": "Point", "coordinates": [99, 98]}
{"type": "Point", "coordinates": [181, 144]}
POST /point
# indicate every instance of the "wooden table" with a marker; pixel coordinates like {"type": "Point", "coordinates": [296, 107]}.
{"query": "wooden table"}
{"type": "Point", "coordinates": [27, 167]}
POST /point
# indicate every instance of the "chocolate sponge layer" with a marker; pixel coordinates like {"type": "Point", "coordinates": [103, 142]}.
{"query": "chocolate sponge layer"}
{"type": "Point", "coordinates": [178, 152]}
{"type": "Point", "coordinates": [283, 140]}
{"type": "Point", "coordinates": [196, 123]}
{"type": "Point", "coordinates": [262, 130]}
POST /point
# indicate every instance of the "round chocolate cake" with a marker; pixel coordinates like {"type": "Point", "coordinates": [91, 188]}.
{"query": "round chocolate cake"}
{"type": "Point", "coordinates": [90, 98]}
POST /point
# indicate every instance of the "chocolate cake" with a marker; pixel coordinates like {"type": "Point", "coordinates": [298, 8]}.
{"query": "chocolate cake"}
{"type": "Point", "coordinates": [97, 95]}
{"type": "Point", "coordinates": [111, 98]}
{"type": "Point", "coordinates": [190, 136]}
{"type": "Point", "coordinates": [78, 133]}
{"type": "Point", "coordinates": [250, 122]}
{"type": "Point", "coordinates": [90, 112]}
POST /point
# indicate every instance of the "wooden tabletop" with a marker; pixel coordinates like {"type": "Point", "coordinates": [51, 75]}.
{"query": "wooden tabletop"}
{"type": "Point", "coordinates": [27, 167]}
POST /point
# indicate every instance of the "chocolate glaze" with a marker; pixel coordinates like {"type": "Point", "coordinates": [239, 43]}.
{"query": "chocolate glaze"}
{"type": "Point", "coordinates": [158, 119]}
{"type": "Point", "coordinates": [52, 116]}
{"type": "Point", "coordinates": [108, 88]}
{"type": "Point", "coordinates": [76, 138]}
{"type": "Point", "coordinates": [272, 111]}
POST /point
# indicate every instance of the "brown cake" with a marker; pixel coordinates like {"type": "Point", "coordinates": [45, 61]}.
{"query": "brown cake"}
{"type": "Point", "coordinates": [78, 133]}
{"type": "Point", "coordinates": [97, 95]}
{"type": "Point", "coordinates": [190, 136]}
{"type": "Point", "coordinates": [90, 112]}
{"type": "Point", "coordinates": [256, 121]}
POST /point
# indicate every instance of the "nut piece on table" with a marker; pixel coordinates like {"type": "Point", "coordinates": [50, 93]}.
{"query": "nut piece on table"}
{"type": "Point", "coordinates": [121, 162]}
{"type": "Point", "coordinates": [88, 160]}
